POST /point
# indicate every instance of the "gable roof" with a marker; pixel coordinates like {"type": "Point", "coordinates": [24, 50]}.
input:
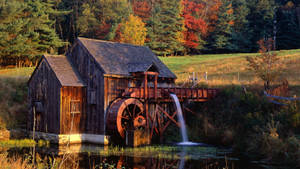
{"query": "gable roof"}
{"type": "Point", "coordinates": [138, 67]}
{"type": "Point", "coordinates": [122, 59]}
{"type": "Point", "coordinates": [64, 71]}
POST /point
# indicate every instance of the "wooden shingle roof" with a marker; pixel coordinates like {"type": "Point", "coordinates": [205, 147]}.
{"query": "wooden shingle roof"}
{"type": "Point", "coordinates": [64, 71]}
{"type": "Point", "coordinates": [118, 58]}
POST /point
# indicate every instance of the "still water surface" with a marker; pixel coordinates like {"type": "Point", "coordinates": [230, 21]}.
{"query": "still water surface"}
{"type": "Point", "coordinates": [150, 157]}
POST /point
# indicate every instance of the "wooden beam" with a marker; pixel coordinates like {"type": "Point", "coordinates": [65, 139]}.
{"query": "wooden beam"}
{"type": "Point", "coordinates": [170, 117]}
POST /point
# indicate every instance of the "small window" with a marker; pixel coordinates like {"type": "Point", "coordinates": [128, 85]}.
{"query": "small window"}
{"type": "Point", "coordinates": [75, 106]}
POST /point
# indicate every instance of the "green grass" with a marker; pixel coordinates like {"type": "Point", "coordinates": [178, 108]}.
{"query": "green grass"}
{"type": "Point", "coordinates": [23, 143]}
{"type": "Point", "coordinates": [23, 72]}
{"type": "Point", "coordinates": [166, 152]}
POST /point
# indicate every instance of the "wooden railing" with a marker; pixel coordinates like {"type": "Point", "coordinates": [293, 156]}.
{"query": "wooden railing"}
{"type": "Point", "coordinates": [196, 94]}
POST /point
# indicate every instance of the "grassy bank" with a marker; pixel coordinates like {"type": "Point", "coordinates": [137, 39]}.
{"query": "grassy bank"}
{"type": "Point", "coordinates": [13, 96]}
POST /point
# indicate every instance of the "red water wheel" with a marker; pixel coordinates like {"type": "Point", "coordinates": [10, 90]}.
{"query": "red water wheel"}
{"type": "Point", "coordinates": [124, 115]}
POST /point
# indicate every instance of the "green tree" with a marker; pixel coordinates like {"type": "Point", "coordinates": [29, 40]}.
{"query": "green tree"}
{"type": "Point", "coordinates": [261, 20]}
{"type": "Point", "coordinates": [112, 12]}
{"type": "Point", "coordinates": [288, 30]}
{"type": "Point", "coordinates": [87, 23]}
{"type": "Point", "coordinates": [26, 32]}
{"type": "Point", "coordinates": [220, 39]}
{"type": "Point", "coordinates": [241, 36]}
{"type": "Point", "coordinates": [165, 28]}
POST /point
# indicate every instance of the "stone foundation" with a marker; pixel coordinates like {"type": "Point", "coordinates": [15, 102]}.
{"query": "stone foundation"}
{"type": "Point", "coordinates": [71, 138]}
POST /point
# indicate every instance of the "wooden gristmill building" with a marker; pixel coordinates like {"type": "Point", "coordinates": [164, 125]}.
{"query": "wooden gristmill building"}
{"type": "Point", "coordinates": [100, 89]}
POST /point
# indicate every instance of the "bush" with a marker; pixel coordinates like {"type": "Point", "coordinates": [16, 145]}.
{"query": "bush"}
{"type": "Point", "coordinates": [13, 102]}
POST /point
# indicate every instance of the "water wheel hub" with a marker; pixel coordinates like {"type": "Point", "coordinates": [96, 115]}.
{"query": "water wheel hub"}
{"type": "Point", "coordinates": [139, 121]}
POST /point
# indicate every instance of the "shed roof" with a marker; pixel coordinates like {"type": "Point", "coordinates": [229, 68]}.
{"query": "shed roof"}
{"type": "Point", "coordinates": [64, 71]}
{"type": "Point", "coordinates": [118, 58]}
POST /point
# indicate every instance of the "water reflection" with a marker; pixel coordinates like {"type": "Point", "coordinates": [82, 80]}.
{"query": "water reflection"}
{"type": "Point", "coordinates": [159, 157]}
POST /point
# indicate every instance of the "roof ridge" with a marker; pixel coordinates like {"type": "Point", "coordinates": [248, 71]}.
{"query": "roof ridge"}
{"type": "Point", "coordinates": [106, 41]}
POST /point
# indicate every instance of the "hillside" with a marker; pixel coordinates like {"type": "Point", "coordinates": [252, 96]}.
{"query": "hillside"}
{"type": "Point", "coordinates": [229, 69]}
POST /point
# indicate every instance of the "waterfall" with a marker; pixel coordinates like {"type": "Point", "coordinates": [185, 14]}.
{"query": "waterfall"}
{"type": "Point", "coordinates": [180, 118]}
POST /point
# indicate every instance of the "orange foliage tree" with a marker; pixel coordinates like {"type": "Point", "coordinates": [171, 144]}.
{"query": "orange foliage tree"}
{"type": "Point", "coordinates": [194, 24]}
{"type": "Point", "coordinates": [133, 31]}
{"type": "Point", "coordinates": [142, 9]}
{"type": "Point", "coordinates": [199, 19]}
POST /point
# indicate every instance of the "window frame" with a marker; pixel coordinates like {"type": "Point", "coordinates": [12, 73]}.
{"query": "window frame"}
{"type": "Point", "coordinates": [77, 106]}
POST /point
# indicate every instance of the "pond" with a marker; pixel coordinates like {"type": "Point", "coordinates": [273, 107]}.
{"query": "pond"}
{"type": "Point", "coordinates": [86, 156]}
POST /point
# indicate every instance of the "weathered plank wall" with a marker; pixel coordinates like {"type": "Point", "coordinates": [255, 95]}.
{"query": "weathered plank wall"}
{"type": "Point", "coordinates": [44, 87]}
{"type": "Point", "coordinates": [113, 88]}
{"type": "Point", "coordinates": [68, 95]}
{"type": "Point", "coordinates": [92, 75]}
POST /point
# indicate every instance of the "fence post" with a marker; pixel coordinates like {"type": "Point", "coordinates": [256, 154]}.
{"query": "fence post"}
{"type": "Point", "coordinates": [205, 76]}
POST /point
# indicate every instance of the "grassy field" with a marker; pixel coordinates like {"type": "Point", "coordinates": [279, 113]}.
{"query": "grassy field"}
{"type": "Point", "coordinates": [222, 69]}
{"type": "Point", "coordinates": [227, 69]}
{"type": "Point", "coordinates": [23, 72]}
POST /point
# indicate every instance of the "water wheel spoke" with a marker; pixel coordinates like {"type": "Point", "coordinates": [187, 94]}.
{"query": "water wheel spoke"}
{"type": "Point", "coordinates": [124, 117]}
{"type": "Point", "coordinates": [127, 110]}
{"type": "Point", "coordinates": [134, 108]}
{"type": "Point", "coordinates": [139, 113]}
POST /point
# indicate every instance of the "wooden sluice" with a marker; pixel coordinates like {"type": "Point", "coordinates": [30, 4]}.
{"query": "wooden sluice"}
{"type": "Point", "coordinates": [163, 94]}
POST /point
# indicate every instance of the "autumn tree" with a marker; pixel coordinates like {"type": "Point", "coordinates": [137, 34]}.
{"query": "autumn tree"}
{"type": "Point", "coordinates": [110, 14]}
{"type": "Point", "coordinates": [195, 25]}
{"type": "Point", "coordinates": [142, 9]}
{"type": "Point", "coordinates": [267, 65]}
{"type": "Point", "coordinates": [133, 31]}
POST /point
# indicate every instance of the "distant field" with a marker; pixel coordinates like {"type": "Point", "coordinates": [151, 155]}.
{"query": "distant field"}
{"type": "Point", "coordinates": [24, 72]}
{"type": "Point", "coordinates": [227, 69]}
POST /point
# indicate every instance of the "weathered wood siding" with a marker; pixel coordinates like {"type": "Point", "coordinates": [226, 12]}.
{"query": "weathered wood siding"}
{"type": "Point", "coordinates": [44, 87]}
{"type": "Point", "coordinates": [72, 122]}
{"type": "Point", "coordinates": [113, 88]}
{"type": "Point", "coordinates": [93, 77]}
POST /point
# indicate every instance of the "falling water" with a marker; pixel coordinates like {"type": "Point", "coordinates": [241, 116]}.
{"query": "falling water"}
{"type": "Point", "coordinates": [180, 118]}
{"type": "Point", "coordinates": [185, 140]}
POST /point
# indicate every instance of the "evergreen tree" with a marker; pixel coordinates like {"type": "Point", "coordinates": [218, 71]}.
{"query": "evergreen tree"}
{"type": "Point", "coordinates": [261, 20]}
{"type": "Point", "coordinates": [220, 39]}
{"type": "Point", "coordinates": [288, 34]}
{"type": "Point", "coordinates": [241, 36]}
{"type": "Point", "coordinates": [166, 27]}
{"type": "Point", "coordinates": [111, 13]}
{"type": "Point", "coordinates": [26, 32]}
{"type": "Point", "coordinates": [87, 23]}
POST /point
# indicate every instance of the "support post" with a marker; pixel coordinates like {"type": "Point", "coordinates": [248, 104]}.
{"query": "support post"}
{"type": "Point", "coordinates": [155, 87]}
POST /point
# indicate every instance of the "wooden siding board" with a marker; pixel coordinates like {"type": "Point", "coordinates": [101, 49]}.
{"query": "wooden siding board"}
{"type": "Point", "coordinates": [42, 86]}
{"type": "Point", "coordinates": [92, 75]}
